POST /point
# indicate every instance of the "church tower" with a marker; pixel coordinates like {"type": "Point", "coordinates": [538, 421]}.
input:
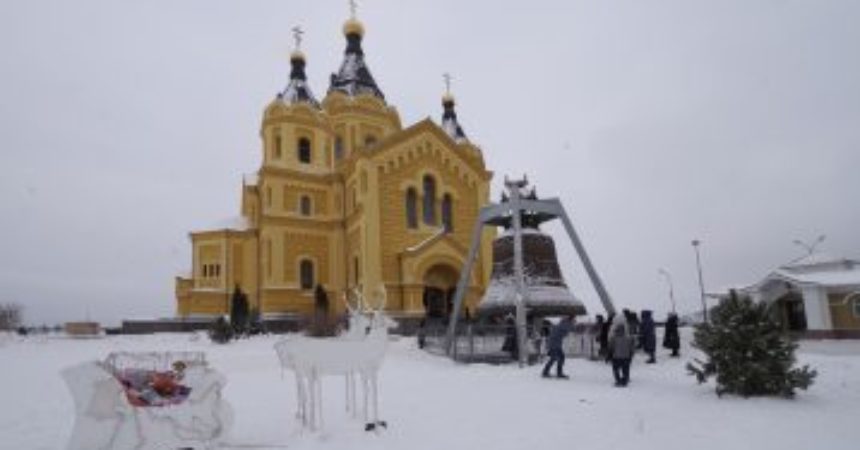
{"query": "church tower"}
{"type": "Point", "coordinates": [346, 198]}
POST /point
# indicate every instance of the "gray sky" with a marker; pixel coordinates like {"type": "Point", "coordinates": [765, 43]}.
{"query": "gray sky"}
{"type": "Point", "coordinates": [124, 125]}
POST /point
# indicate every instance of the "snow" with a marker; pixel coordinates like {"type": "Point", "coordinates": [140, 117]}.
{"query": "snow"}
{"type": "Point", "coordinates": [540, 293]}
{"type": "Point", "coordinates": [430, 402]}
{"type": "Point", "coordinates": [251, 179]}
{"type": "Point", "coordinates": [237, 223]}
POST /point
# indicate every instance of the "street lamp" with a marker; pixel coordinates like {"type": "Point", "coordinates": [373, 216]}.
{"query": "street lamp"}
{"type": "Point", "coordinates": [671, 286]}
{"type": "Point", "coordinates": [810, 248]}
{"type": "Point", "coordinates": [696, 243]}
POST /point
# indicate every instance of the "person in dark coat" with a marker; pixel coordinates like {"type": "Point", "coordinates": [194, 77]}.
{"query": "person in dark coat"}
{"type": "Point", "coordinates": [671, 338]}
{"type": "Point", "coordinates": [597, 332]}
{"type": "Point", "coordinates": [554, 347]}
{"type": "Point", "coordinates": [648, 335]}
{"type": "Point", "coordinates": [633, 327]}
{"type": "Point", "coordinates": [422, 333]}
{"type": "Point", "coordinates": [511, 343]}
{"type": "Point", "coordinates": [620, 351]}
{"type": "Point", "coordinates": [604, 335]}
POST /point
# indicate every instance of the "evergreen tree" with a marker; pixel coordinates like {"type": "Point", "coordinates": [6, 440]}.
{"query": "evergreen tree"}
{"type": "Point", "coordinates": [747, 351]}
{"type": "Point", "coordinates": [221, 332]}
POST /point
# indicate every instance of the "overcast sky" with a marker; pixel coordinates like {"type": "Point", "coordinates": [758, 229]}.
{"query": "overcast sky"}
{"type": "Point", "coordinates": [124, 125]}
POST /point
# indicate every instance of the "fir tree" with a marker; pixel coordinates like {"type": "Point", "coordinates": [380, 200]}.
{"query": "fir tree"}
{"type": "Point", "coordinates": [221, 332]}
{"type": "Point", "coordinates": [747, 351]}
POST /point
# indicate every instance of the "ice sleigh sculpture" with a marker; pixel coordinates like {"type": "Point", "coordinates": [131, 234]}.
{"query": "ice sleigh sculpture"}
{"type": "Point", "coordinates": [154, 400]}
{"type": "Point", "coordinates": [357, 354]}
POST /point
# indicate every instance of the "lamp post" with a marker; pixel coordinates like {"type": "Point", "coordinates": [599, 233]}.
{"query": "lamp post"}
{"type": "Point", "coordinates": [810, 248]}
{"type": "Point", "coordinates": [666, 274]}
{"type": "Point", "coordinates": [696, 243]}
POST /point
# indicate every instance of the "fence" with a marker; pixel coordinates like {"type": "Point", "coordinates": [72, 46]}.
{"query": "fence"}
{"type": "Point", "coordinates": [494, 343]}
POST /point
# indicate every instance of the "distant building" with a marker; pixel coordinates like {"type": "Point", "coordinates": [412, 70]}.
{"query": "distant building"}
{"type": "Point", "coordinates": [83, 329]}
{"type": "Point", "coordinates": [818, 295]}
{"type": "Point", "coordinates": [346, 197]}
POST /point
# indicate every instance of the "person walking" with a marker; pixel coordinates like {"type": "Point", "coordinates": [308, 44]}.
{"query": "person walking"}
{"type": "Point", "coordinates": [671, 338]}
{"type": "Point", "coordinates": [599, 336]}
{"type": "Point", "coordinates": [648, 335]}
{"type": "Point", "coordinates": [554, 347]}
{"type": "Point", "coordinates": [620, 352]}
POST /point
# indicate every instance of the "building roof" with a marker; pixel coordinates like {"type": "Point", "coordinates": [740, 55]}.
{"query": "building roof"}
{"type": "Point", "coordinates": [235, 223]}
{"type": "Point", "coordinates": [354, 78]}
{"type": "Point", "coordinates": [298, 90]}
{"type": "Point", "coordinates": [820, 269]}
{"type": "Point", "coordinates": [449, 121]}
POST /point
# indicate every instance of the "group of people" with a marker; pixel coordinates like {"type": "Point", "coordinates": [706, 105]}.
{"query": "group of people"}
{"type": "Point", "coordinates": [618, 338]}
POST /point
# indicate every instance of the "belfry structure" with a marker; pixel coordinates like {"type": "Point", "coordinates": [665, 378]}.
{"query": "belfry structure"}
{"type": "Point", "coordinates": [346, 196]}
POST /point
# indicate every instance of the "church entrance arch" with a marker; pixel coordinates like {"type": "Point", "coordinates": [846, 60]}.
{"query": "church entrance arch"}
{"type": "Point", "coordinates": [440, 283]}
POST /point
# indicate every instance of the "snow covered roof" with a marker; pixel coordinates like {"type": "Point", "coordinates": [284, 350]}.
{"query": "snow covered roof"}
{"type": "Point", "coordinates": [251, 179]}
{"type": "Point", "coordinates": [542, 297]}
{"type": "Point", "coordinates": [354, 76]}
{"type": "Point", "coordinates": [298, 90]}
{"type": "Point", "coordinates": [236, 223]}
{"type": "Point", "coordinates": [820, 269]}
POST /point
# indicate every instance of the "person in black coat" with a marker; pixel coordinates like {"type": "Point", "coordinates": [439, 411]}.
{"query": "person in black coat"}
{"type": "Point", "coordinates": [604, 334]}
{"type": "Point", "coordinates": [648, 335]}
{"type": "Point", "coordinates": [633, 327]}
{"type": "Point", "coordinates": [671, 338]}
{"type": "Point", "coordinates": [511, 343]}
{"type": "Point", "coordinates": [597, 332]}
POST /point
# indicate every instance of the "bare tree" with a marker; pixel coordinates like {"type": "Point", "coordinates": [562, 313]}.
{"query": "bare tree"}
{"type": "Point", "coordinates": [10, 316]}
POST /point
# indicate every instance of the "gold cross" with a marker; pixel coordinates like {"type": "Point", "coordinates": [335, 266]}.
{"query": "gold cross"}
{"type": "Point", "coordinates": [447, 77]}
{"type": "Point", "coordinates": [352, 7]}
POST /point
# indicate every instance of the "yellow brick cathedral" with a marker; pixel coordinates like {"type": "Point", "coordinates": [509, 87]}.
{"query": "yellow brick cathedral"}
{"type": "Point", "coordinates": [346, 197]}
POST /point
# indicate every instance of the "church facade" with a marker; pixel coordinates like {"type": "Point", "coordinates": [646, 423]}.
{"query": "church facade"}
{"type": "Point", "coordinates": [345, 198]}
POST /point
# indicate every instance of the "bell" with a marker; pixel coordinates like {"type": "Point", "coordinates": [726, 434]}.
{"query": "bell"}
{"type": "Point", "coordinates": [545, 292]}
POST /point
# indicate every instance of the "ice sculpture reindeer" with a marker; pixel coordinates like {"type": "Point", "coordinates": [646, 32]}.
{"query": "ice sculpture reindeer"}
{"type": "Point", "coordinates": [358, 352]}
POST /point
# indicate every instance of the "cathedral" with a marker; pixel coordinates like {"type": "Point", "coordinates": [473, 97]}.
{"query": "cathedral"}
{"type": "Point", "coordinates": [346, 198]}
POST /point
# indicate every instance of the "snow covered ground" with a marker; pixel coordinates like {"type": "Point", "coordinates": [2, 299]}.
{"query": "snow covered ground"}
{"type": "Point", "coordinates": [432, 403]}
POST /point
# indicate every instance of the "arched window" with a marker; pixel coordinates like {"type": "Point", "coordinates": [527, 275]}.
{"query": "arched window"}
{"type": "Point", "coordinates": [448, 213]}
{"type": "Point", "coordinates": [338, 148]}
{"type": "Point", "coordinates": [411, 208]}
{"type": "Point", "coordinates": [205, 270]}
{"type": "Point", "coordinates": [369, 140]}
{"type": "Point", "coordinates": [304, 150]}
{"type": "Point", "coordinates": [305, 205]}
{"type": "Point", "coordinates": [277, 150]}
{"type": "Point", "coordinates": [306, 274]}
{"type": "Point", "coordinates": [429, 200]}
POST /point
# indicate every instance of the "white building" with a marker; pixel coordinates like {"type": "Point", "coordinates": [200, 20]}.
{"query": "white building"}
{"type": "Point", "coordinates": [818, 295]}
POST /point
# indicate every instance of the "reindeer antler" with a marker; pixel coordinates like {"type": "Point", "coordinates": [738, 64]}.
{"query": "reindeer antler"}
{"type": "Point", "coordinates": [349, 307]}
{"type": "Point", "coordinates": [382, 293]}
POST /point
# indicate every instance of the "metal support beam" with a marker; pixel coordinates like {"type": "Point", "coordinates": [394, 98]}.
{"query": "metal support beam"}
{"type": "Point", "coordinates": [519, 275]}
{"type": "Point", "coordinates": [465, 273]}
{"type": "Point", "coordinates": [586, 261]}
{"type": "Point", "coordinates": [513, 209]}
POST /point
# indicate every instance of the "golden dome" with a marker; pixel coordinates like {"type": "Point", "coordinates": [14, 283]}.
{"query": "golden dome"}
{"type": "Point", "coordinates": [297, 54]}
{"type": "Point", "coordinates": [353, 26]}
{"type": "Point", "coordinates": [447, 98]}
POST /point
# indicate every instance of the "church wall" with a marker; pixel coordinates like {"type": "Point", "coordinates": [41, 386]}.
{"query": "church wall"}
{"type": "Point", "coordinates": [409, 173]}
